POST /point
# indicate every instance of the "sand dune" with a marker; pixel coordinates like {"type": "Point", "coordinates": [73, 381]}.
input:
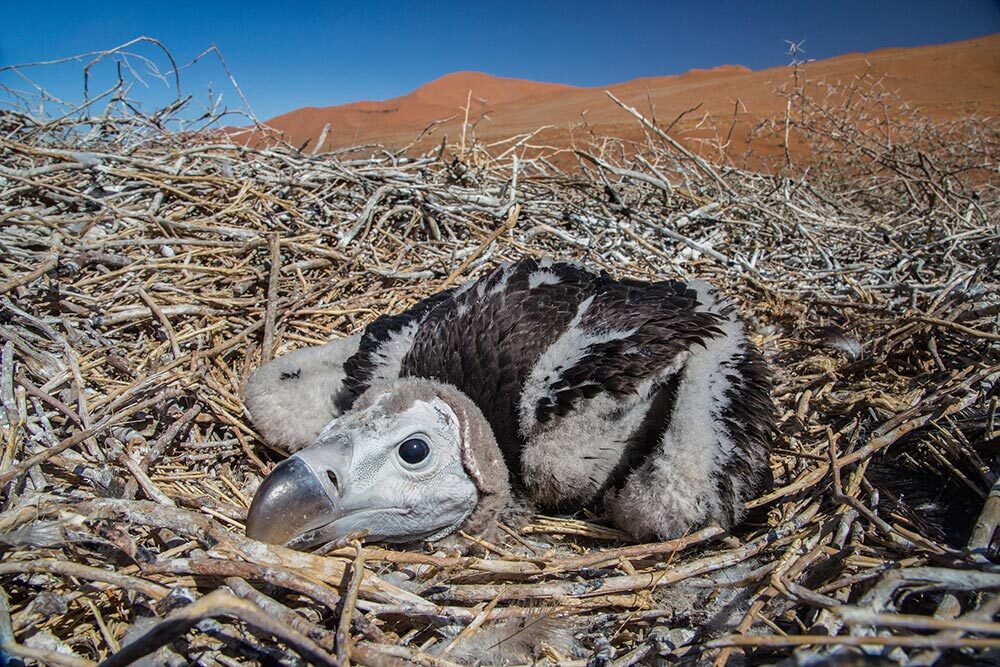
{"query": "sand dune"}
{"type": "Point", "coordinates": [945, 81]}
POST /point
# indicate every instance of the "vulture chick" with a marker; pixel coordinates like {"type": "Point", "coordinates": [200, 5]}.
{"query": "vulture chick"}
{"type": "Point", "coordinates": [541, 381]}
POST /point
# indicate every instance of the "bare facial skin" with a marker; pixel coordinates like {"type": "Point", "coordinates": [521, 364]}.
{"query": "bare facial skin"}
{"type": "Point", "coordinates": [397, 475]}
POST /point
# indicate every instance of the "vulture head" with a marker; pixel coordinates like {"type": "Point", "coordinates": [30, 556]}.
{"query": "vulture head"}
{"type": "Point", "coordinates": [539, 384]}
{"type": "Point", "coordinates": [413, 460]}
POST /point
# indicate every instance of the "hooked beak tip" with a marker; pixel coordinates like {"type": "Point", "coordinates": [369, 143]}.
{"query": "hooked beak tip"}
{"type": "Point", "coordinates": [290, 501]}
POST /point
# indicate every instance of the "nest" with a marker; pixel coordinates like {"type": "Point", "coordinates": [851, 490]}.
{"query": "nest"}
{"type": "Point", "coordinates": [146, 273]}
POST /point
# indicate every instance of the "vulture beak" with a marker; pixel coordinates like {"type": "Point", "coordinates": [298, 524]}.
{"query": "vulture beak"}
{"type": "Point", "coordinates": [297, 503]}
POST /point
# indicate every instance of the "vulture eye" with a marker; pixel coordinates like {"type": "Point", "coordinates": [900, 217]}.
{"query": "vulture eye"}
{"type": "Point", "coordinates": [413, 451]}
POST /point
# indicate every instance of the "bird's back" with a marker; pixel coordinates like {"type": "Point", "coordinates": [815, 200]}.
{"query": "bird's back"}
{"type": "Point", "coordinates": [530, 341]}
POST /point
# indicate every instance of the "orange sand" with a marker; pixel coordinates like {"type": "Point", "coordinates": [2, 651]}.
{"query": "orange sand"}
{"type": "Point", "coordinates": [945, 81]}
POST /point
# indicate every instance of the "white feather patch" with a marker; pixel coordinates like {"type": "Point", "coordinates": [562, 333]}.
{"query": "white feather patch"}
{"type": "Point", "coordinates": [675, 488]}
{"type": "Point", "coordinates": [388, 358]}
{"type": "Point", "coordinates": [542, 277]}
{"type": "Point", "coordinates": [506, 269]}
{"type": "Point", "coordinates": [293, 397]}
{"type": "Point", "coordinates": [563, 354]}
{"type": "Point", "coordinates": [572, 460]}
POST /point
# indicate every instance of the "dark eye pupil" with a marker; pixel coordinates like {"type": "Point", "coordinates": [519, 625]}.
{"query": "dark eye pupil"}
{"type": "Point", "coordinates": [414, 450]}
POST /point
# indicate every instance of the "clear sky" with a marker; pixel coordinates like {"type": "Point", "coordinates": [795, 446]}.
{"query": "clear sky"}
{"type": "Point", "coordinates": [323, 53]}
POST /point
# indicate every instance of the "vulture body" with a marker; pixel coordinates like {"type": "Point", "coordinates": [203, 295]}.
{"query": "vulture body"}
{"type": "Point", "coordinates": [540, 379]}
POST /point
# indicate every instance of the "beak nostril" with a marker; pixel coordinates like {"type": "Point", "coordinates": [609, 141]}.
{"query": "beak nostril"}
{"type": "Point", "coordinates": [333, 480]}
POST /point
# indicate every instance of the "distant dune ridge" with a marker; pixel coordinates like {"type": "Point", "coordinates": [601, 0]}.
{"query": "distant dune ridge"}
{"type": "Point", "coordinates": [945, 81]}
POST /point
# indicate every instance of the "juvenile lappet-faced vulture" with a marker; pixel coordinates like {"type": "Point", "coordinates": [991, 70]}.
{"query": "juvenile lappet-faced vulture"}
{"type": "Point", "coordinates": [540, 380]}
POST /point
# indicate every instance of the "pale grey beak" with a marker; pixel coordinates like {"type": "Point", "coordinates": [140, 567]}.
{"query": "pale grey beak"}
{"type": "Point", "coordinates": [294, 504]}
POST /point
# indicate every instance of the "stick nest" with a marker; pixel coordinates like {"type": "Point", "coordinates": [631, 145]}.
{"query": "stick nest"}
{"type": "Point", "coordinates": [146, 273]}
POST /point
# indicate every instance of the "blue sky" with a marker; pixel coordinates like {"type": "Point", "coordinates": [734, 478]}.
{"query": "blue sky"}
{"type": "Point", "coordinates": [323, 53]}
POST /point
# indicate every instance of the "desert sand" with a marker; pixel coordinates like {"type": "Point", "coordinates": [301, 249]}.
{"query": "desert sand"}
{"type": "Point", "coordinates": [944, 81]}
